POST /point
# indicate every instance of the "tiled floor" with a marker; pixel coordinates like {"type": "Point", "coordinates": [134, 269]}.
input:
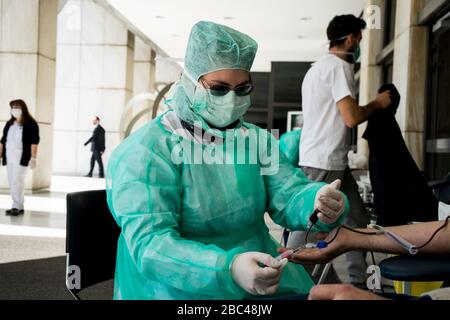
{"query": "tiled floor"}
{"type": "Point", "coordinates": [45, 210]}
{"type": "Point", "coordinates": [40, 232]}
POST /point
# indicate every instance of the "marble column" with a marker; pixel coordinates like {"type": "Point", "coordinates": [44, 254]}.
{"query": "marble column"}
{"type": "Point", "coordinates": [95, 69]}
{"type": "Point", "coordinates": [144, 80]}
{"type": "Point", "coordinates": [370, 72]}
{"type": "Point", "coordinates": [27, 71]}
{"type": "Point", "coordinates": [150, 76]}
{"type": "Point", "coordinates": [410, 73]}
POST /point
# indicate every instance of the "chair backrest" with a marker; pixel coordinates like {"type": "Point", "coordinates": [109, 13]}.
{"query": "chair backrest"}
{"type": "Point", "coordinates": [91, 238]}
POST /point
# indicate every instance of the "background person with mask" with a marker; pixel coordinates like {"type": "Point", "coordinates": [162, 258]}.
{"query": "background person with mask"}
{"type": "Point", "coordinates": [330, 109]}
{"type": "Point", "coordinates": [197, 230]}
{"type": "Point", "coordinates": [18, 149]}
{"type": "Point", "coordinates": [97, 142]}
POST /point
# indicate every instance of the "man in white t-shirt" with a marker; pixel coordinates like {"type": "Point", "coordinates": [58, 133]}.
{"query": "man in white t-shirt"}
{"type": "Point", "coordinates": [330, 111]}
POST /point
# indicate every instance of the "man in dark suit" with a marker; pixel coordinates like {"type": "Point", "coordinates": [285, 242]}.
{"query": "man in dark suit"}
{"type": "Point", "coordinates": [97, 142]}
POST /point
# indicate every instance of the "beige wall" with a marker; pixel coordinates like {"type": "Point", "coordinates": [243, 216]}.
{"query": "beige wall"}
{"type": "Point", "coordinates": [101, 66]}
{"type": "Point", "coordinates": [144, 79]}
{"type": "Point", "coordinates": [27, 71]}
{"type": "Point", "coordinates": [370, 73]}
{"type": "Point", "coordinates": [409, 74]}
{"type": "Point", "coordinates": [94, 76]}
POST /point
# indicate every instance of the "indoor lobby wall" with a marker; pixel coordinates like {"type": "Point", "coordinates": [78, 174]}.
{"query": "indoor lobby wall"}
{"type": "Point", "coordinates": [27, 71]}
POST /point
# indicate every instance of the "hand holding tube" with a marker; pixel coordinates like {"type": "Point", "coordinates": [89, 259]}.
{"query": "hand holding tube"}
{"type": "Point", "coordinates": [343, 242]}
{"type": "Point", "coordinates": [330, 202]}
{"type": "Point", "coordinates": [256, 280]}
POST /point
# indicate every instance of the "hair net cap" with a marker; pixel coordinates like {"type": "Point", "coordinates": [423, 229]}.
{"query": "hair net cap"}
{"type": "Point", "coordinates": [214, 47]}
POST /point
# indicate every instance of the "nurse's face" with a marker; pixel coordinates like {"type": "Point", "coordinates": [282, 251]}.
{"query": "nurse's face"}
{"type": "Point", "coordinates": [230, 78]}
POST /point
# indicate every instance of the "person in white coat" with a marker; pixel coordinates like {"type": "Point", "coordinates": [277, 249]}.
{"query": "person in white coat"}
{"type": "Point", "coordinates": [18, 150]}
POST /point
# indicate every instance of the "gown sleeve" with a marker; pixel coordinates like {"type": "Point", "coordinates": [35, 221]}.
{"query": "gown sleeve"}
{"type": "Point", "coordinates": [144, 194]}
{"type": "Point", "coordinates": [290, 194]}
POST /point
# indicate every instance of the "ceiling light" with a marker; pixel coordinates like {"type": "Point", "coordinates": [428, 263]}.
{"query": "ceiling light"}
{"type": "Point", "coordinates": [306, 18]}
{"type": "Point", "coordinates": [228, 18]}
{"type": "Point", "coordinates": [159, 17]}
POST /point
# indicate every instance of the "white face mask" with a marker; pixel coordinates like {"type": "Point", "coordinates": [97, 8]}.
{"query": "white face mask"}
{"type": "Point", "coordinates": [16, 113]}
{"type": "Point", "coordinates": [220, 111]}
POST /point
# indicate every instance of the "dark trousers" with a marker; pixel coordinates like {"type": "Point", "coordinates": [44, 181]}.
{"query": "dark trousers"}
{"type": "Point", "coordinates": [97, 156]}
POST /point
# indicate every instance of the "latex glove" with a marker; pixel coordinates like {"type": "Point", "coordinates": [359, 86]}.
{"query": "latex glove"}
{"type": "Point", "coordinates": [32, 163]}
{"type": "Point", "coordinates": [253, 278]}
{"type": "Point", "coordinates": [331, 203]}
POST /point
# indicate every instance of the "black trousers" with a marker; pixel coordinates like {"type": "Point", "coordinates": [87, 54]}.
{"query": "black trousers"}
{"type": "Point", "coordinates": [97, 156]}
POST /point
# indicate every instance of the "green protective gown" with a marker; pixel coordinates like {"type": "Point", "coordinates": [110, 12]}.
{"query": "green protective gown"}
{"type": "Point", "coordinates": [290, 146]}
{"type": "Point", "coordinates": [183, 221]}
{"type": "Point", "coordinates": [183, 224]}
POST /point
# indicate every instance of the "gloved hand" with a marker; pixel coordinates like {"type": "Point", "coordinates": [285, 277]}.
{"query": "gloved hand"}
{"type": "Point", "coordinates": [331, 203]}
{"type": "Point", "coordinates": [253, 278]}
{"type": "Point", "coordinates": [32, 163]}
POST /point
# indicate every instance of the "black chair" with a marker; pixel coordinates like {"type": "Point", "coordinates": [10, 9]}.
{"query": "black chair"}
{"type": "Point", "coordinates": [417, 269]}
{"type": "Point", "coordinates": [91, 239]}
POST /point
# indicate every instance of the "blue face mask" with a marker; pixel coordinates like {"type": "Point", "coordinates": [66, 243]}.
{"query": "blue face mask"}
{"type": "Point", "coordinates": [219, 112]}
